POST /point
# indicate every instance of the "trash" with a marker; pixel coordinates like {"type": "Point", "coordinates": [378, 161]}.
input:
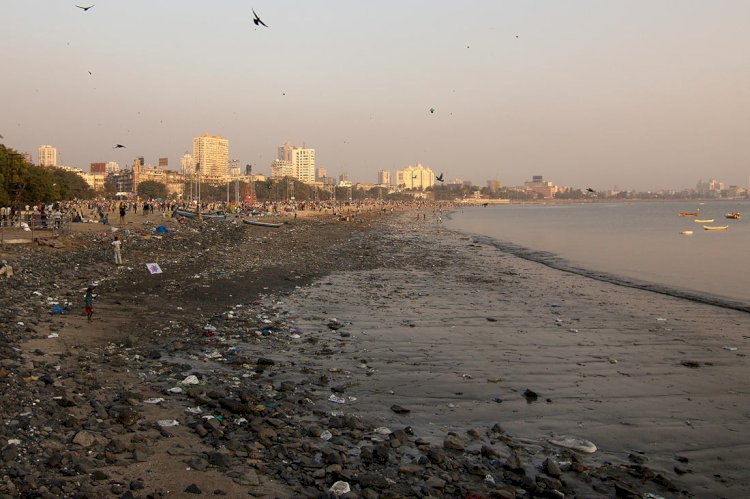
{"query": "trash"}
{"type": "Point", "coordinates": [382, 430]}
{"type": "Point", "coordinates": [153, 268]}
{"type": "Point", "coordinates": [190, 380]}
{"type": "Point", "coordinates": [153, 400]}
{"type": "Point", "coordinates": [489, 478]}
{"type": "Point", "coordinates": [194, 410]}
{"type": "Point", "coordinates": [326, 435]}
{"type": "Point", "coordinates": [660, 319]}
{"type": "Point", "coordinates": [337, 399]}
{"type": "Point", "coordinates": [53, 335]}
{"type": "Point", "coordinates": [57, 310]}
{"type": "Point", "coordinates": [162, 230]}
{"type": "Point", "coordinates": [175, 389]}
{"type": "Point", "coordinates": [730, 349]}
{"type": "Point", "coordinates": [340, 488]}
{"type": "Point", "coordinates": [573, 330]}
{"type": "Point", "coordinates": [572, 443]}
{"type": "Point", "coordinates": [166, 423]}
{"type": "Point", "coordinates": [14, 441]}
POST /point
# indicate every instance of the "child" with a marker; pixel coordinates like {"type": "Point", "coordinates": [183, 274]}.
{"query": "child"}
{"type": "Point", "coordinates": [88, 300]}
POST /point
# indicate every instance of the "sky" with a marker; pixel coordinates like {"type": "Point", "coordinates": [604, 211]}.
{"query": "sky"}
{"type": "Point", "coordinates": [636, 94]}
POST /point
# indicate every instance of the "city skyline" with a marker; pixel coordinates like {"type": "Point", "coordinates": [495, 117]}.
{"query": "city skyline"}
{"type": "Point", "coordinates": [590, 94]}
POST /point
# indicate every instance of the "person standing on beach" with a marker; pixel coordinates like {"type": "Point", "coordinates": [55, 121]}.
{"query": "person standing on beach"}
{"type": "Point", "coordinates": [118, 250]}
{"type": "Point", "coordinates": [122, 214]}
{"type": "Point", "coordinates": [88, 301]}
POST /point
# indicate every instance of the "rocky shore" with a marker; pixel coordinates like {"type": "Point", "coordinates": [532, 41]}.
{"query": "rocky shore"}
{"type": "Point", "coordinates": [205, 380]}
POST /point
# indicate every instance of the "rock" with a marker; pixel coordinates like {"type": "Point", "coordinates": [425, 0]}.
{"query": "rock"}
{"type": "Point", "coordinates": [435, 483]}
{"type": "Point", "coordinates": [250, 478]}
{"type": "Point", "coordinates": [373, 480]}
{"type": "Point", "coordinates": [514, 463]}
{"type": "Point", "coordinates": [530, 395]}
{"type": "Point", "coordinates": [193, 489]}
{"type": "Point", "coordinates": [262, 361]}
{"type": "Point", "coordinates": [220, 459]}
{"type": "Point", "coordinates": [575, 444]}
{"type": "Point", "coordinates": [400, 410]}
{"type": "Point", "coordinates": [84, 438]}
{"type": "Point", "coordinates": [340, 488]}
{"type": "Point", "coordinates": [551, 468]}
{"type": "Point", "coordinates": [99, 475]}
{"type": "Point", "coordinates": [453, 442]}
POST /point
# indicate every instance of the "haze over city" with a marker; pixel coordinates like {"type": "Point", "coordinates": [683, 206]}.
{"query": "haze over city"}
{"type": "Point", "coordinates": [642, 95]}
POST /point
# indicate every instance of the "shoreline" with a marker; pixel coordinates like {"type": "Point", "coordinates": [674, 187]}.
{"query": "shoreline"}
{"type": "Point", "coordinates": [230, 319]}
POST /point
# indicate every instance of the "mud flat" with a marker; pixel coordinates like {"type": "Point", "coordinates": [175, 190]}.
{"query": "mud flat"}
{"type": "Point", "coordinates": [380, 356]}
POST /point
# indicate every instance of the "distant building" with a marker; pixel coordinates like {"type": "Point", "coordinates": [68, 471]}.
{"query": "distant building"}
{"type": "Point", "coordinates": [211, 156]}
{"type": "Point", "coordinates": [303, 161]}
{"type": "Point", "coordinates": [541, 187]}
{"type": "Point", "coordinates": [113, 167]}
{"type": "Point", "coordinates": [100, 168]}
{"type": "Point", "coordinates": [141, 160]}
{"type": "Point", "coordinates": [384, 177]}
{"type": "Point", "coordinates": [47, 156]}
{"type": "Point", "coordinates": [322, 173]}
{"type": "Point", "coordinates": [234, 168]}
{"type": "Point", "coordinates": [712, 188]}
{"type": "Point", "coordinates": [27, 157]}
{"type": "Point", "coordinates": [281, 168]}
{"type": "Point", "coordinates": [344, 177]}
{"type": "Point", "coordinates": [494, 185]}
{"type": "Point", "coordinates": [285, 152]}
{"type": "Point", "coordinates": [415, 177]}
{"type": "Point", "coordinates": [187, 166]}
{"type": "Point", "coordinates": [163, 162]}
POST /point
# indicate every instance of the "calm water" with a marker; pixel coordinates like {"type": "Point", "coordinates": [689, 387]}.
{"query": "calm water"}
{"type": "Point", "coordinates": [635, 241]}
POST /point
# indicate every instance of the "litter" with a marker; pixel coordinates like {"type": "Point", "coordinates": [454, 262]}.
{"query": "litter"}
{"type": "Point", "coordinates": [194, 410]}
{"type": "Point", "coordinates": [337, 399]}
{"type": "Point", "coordinates": [572, 443]}
{"type": "Point", "coordinates": [166, 423]}
{"type": "Point", "coordinates": [53, 335]}
{"type": "Point", "coordinates": [190, 380]}
{"type": "Point", "coordinates": [175, 389]}
{"type": "Point", "coordinates": [730, 349]}
{"type": "Point", "coordinates": [326, 435]}
{"type": "Point", "coordinates": [14, 441]}
{"type": "Point", "coordinates": [154, 400]}
{"type": "Point", "coordinates": [340, 488]}
{"type": "Point", "coordinates": [153, 268]}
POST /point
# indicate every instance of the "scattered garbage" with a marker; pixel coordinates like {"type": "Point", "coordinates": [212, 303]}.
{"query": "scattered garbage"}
{"type": "Point", "coordinates": [153, 400]}
{"type": "Point", "coordinates": [326, 435]}
{"type": "Point", "coordinates": [730, 349]}
{"type": "Point", "coordinates": [336, 399]}
{"type": "Point", "coordinates": [153, 268]}
{"type": "Point", "coordinates": [166, 423]}
{"type": "Point", "coordinates": [175, 389]}
{"type": "Point", "coordinates": [340, 488]}
{"type": "Point", "coordinates": [194, 410]}
{"type": "Point", "coordinates": [14, 441]}
{"type": "Point", "coordinates": [190, 380]}
{"type": "Point", "coordinates": [575, 444]}
{"type": "Point", "coordinates": [489, 479]}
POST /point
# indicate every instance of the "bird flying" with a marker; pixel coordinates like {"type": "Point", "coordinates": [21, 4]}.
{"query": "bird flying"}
{"type": "Point", "coordinates": [257, 20]}
{"type": "Point", "coordinates": [85, 8]}
{"type": "Point", "coordinates": [119, 146]}
{"type": "Point", "coordinates": [590, 190]}
{"type": "Point", "coordinates": [439, 178]}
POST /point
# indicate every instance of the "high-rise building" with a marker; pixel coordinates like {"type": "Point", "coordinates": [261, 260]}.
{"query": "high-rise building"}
{"type": "Point", "coordinates": [47, 156]}
{"type": "Point", "coordinates": [141, 160]}
{"type": "Point", "coordinates": [234, 168]}
{"type": "Point", "coordinates": [384, 177]}
{"type": "Point", "coordinates": [187, 166]}
{"type": "Point", "coordinates": [303, 160]}
{"type": "Point", "coordinates": [322, 173]}
{"type": "Point", "coordinates": [281, 168]}
{"type": "Point", "coordinates": [415, 177]}
{"type": "Point", "coordinates": [113, 167]}
{"type": "Point", "coordinates": [98, 168]}
{"type": "Point", "coordinates": [285, 152]}
{"type": "Point", "coordinates": [163, 162]}
{"type": "Point", "coordinates": [27, 157]}
{"type": "Point", "coordinates": [211, 155]}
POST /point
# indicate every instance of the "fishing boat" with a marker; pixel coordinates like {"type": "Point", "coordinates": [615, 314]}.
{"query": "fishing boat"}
{"type": "Point", "coordinates": [687, 232]}
{"type": "Point", "coordinates": [687, 214]}
{"type": "Point", "coordinates": [703, 221]}
{"type": "Point", "coordinates": [735, 215]}
{"type": "Point", "coordinates": [208, 215]}
{"type": "Point", "coordinates": [262, 224]}
{"type": "Point", "coordinates": [721, 227]}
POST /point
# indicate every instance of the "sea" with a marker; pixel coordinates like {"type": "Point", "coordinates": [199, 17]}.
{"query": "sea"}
{"type": "Point", "coordinates": [638, 244]}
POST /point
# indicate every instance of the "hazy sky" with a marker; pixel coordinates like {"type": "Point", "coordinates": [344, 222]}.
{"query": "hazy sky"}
{"type": "Point", "coordinates": [638, 94]}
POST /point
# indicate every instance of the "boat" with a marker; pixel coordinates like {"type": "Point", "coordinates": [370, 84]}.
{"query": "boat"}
{"type": "Point", "coordinates": [722, 227]}
{"type": "Point", "coordinates": [687, 232]}
{"type": "Point", "coordinates": [687, 214]}
{"type": "Point", "coordinates": [733, 215]}
{"type": "Point", "coordinates": [705, 221]}
{"type": "Point", "coordinates": [208, 215]}
{"type": "Point", "coordinates": [262, 224]}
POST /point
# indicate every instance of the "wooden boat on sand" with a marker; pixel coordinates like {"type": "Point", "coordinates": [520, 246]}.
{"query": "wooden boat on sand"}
{"type": "Point", "coordinates": [262, 224]}
{"type": "Point", "coordinates": [704, 221]}
{"type": "Point", "coordinates": [206, 215]}
{"type": "Point", "coordinates": [687, 232]}
{"type": "Point", "coordinates": [735, 215]}
{"type": "Point", "coordinates": [687, 214]}
{"type": "Point", "coordinates": [722, 227]}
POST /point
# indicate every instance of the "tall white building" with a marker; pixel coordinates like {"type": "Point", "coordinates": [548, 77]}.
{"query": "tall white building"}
{"type": "Point", "coordinates": [211, 155]}
{"type": "Point", "coordinates": [303, 160]}
{"type": "Point", "coordinates": [47, 156]}
{"type": "Point", "coordinates": [384, 177]}
{"type": "Point", "coordinates": [187, 166]}
{"type": "Point", "coordinates": [415, 177]}
{"type": "Point", "coordinates": [113, 167]}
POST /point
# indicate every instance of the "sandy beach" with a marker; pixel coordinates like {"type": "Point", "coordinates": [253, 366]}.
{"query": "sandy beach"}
{"type": "Point", "coordinates": [306, 341]}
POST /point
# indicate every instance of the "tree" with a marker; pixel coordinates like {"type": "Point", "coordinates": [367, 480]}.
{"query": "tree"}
{"type": "Point", "coordinates": [151, 189]}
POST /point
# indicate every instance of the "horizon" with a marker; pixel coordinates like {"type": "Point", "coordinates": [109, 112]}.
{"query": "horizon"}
{"type": "Point", "coordinates": [637, 95]}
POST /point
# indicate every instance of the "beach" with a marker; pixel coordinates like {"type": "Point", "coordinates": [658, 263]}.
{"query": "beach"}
{"type": "Point", "coordinates": [396, 356]}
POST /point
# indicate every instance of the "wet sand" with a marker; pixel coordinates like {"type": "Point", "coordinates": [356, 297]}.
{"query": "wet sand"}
{"type": "Point", "coordinates": [458, 338]}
